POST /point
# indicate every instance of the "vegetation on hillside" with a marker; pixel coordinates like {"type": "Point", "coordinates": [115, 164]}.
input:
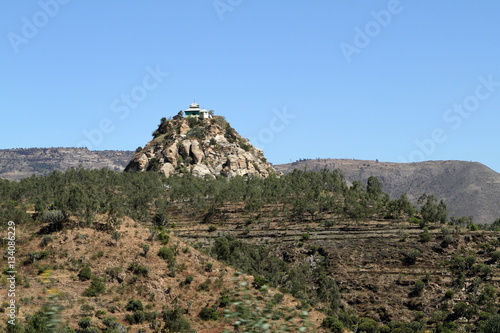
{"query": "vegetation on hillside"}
{"type": "Point", "coordinates": [102, 199]}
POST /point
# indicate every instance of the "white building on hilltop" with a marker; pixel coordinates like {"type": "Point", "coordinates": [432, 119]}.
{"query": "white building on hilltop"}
{"type": "Point", "coordinates": [195, 111]}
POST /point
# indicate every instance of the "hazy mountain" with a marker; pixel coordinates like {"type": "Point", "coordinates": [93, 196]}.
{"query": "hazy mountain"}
{"type": "Point", "coordinates": [468, 188]}
{"type": "Point", "coordinates": [16, 164]}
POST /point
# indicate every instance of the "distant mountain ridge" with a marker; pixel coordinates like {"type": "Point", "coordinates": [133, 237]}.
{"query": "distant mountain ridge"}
{"type": "Point", "coordinates": [468, 188]}
{"type": "Point", "coordinates": [19, 163]}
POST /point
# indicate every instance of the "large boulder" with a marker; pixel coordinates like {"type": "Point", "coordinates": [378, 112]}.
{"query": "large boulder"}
{"type": "Point", "coordinates": [196, 152]}
{"type": "Point", "coordinates": [167, 169]}
{"type": "Point", "coordinates": [185, 148]}
{"type": "Point", "coordinates": [171, 153]}
{"type": "Point", "coordinates": [201, 170]}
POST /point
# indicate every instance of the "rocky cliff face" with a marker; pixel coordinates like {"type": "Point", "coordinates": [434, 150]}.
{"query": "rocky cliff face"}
{"type": "Point", "coordinates": [208, 147]}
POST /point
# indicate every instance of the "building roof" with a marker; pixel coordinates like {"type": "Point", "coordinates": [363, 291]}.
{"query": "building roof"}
{"type": "Point", "coordinates": [194, 107]}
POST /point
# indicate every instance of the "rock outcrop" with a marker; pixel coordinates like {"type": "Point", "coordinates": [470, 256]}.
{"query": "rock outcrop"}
{"type": "Point", "coordinates": [201, 147]}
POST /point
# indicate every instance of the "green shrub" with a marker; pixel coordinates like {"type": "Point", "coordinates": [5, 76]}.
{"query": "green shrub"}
{"type": "Point", "coordinates": [495, 256]}
{"type": "Point", "coordinates": [85, 273]}
{"type": "Point", "coordinates": [447, 240]}
{"type": "Point", "coordinates": [188, 279]}
{"type": "Point", "coordinates": [208, 313]}
{"type": "Point", "coordinates": [138, 269]}
{"type": "Point", "coordinates": [368, 325]}
{"type": "Point", "coordinates": [333, 324]}
{"type": "Point", "coordinates": [278, 298]}
{"type": "Point", "coordinates": [145, 249]}
{"type": "Point", "coordinates": [193, 122]}
{"type": "Point", "coordinates": [114, 325]}
{"type": "Point", "coordinates": [425, 236]}
{"type": "Point", "coordinates": [472, 227]}
{"type": "Point", "coordinates": [461, 309]}
{"type": "Point", "coordinates": [487, 295]}
{"type": "Point", "coordinates": [56, 219]}
{"type": "Point", "coordinates": [87, 309]}
{"type": "Point", "coordinates": [116, 235]}
{"type": "Point", "coordinates": [224, 301]}
{"type": "Point", "coordinates": [163, 238]}
{"type": "Point", "coordinates": [160, 220]}
{"type": "Point", "coordinates": [166, 253]}
{"type": "Point", "coordinates": [491, 325]}
{"type": "Point", "coordinates": [134, 305]}
{"type": "Point", "coordinates": [449, 294]}
{"type": "Point", "coordinates": [205, 286]}
{"type": "Point", "coordinates": [196, 133]}
{"type": "Point", "coordinates": [46, 239]}
{"type": "Point", "coordinates": [114, 272]}
{"type": "Point", "coordinates": [209, 267]}
{"type": "Point", "coordinates": [85, 322]}
{"type": "Point", "coordinates": [100, 314]}
{"type": "Point", "coordinates": [175, 321]}
{"type": "Point", "coordinates": [418, 288]}
{"type": "Point", "coordinates": [153, 164]}
{"type": "Point", "coordinates": [35, 256]}
{"type": "Point", "coordinates": [259, 282]}
{"type": "Point", "coordinates": [414, 220]}
{"type": "Point", "coordinates": [97, 287]}
{"type": "Point", "coordinates": [137, 317]}
{"type": "Point", "coordinates": [410, 258]}
{"type": "Point", "coordinates": [99, 254]}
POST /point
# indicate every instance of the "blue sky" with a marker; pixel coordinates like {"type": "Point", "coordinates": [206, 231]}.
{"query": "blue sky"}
{"type": "Point", "coordinates": [388, 80]}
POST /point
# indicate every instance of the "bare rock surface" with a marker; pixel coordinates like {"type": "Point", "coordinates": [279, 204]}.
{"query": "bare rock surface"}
{"type": "Point", "coordinates": [201, 147]}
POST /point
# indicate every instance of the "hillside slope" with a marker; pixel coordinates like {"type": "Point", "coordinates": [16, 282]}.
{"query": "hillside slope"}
{"type": "Point", "coordinates": [468, 188]}
{"type": "Point", "coordinates": [101, 241]}
{"type": "Point", "coordinates": [131, 271]}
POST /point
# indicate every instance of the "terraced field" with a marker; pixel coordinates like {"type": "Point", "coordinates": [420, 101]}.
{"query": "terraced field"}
{"type": "Point", "coordinates": [370, 260]}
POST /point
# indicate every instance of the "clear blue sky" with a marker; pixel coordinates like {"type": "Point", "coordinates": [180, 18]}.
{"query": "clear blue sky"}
{"type": "Point", "coordinates": [388, 80]}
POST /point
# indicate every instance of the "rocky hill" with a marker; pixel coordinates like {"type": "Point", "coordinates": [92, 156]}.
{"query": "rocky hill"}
{"type": "Point", "coordinates": [202, 147]}
{"type": "Point", "coordinates": [16, 164]}
{"type": "Point", "coordinates": [468, 188]}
